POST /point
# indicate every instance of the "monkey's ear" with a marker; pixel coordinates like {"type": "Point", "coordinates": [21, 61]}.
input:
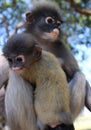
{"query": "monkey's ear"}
{"type": "Point", "coordinates": [28, 17]}
{"type": "Point", "coordinates": [37, 51]}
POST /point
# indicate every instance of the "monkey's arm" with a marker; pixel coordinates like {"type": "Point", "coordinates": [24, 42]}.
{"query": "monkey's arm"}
{"type": "Point", "coordinates": [88, 96]}
{"type": "Point", "coordinates": [4, 70]}
{"type": "Point", "coordinates": [79, 82]}
{"type": "Point", "coordinates": [19, 104]}
{"type": "Point", "coordinates": [70, 66]}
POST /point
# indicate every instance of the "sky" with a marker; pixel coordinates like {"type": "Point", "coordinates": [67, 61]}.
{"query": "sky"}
{"type": "Point", "coordinates": [85, 64]}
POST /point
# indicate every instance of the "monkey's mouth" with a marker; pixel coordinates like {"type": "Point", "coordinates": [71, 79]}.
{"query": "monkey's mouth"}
{"type": "Point", "coordinates": [55, 33]}
{"type": "Point", "coordinates": [17, 69]}
{"type": "Point", "coordinates": [52, 35]}
{"type": "Point", "coordinates": [53, 125]}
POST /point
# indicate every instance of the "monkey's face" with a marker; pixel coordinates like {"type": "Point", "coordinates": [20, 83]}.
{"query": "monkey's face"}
{"type": "Point", "coordinates": [44, 24]}
{"type": "Point", "coordinates": [49, 28]}
{"type": "Point", "coordinates": [17, 63]}
{"type": "Point", "coordinates": [20, 62]}
{"type": "Point", "coordinates": [21, 52]}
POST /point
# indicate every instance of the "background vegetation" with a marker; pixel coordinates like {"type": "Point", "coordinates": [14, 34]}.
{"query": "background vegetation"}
{"type": "Point", "coordinates": [76, 15]}
{"type": "Point", "coordinates": [76, 28]}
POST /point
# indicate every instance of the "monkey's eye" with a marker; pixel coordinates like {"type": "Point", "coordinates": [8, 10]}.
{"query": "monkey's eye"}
{"type": "Point", "coordinates": [49, 20]}
{"type": "Point", "coordinates": [20, 58]}
{"type": "Point", "coordinates": [10, 60]}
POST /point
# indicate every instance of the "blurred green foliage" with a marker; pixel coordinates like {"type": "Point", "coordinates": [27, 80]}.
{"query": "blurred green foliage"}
{"type": "Point", "coordinates": [12, 12]}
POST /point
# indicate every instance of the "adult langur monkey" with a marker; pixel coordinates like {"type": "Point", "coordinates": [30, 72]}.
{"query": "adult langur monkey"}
{"type": "Point", "coordinates": [43, 23]}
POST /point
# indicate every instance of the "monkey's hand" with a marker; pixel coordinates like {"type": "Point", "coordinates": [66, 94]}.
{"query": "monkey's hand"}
{"type": "Point", "coordinates": [4, 70]}
{"type": "Point", "coordinates": [77, 91]}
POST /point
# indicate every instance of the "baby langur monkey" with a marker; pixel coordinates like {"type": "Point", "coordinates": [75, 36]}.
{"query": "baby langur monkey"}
{"type": "Point", "coordinates": [41, 69]}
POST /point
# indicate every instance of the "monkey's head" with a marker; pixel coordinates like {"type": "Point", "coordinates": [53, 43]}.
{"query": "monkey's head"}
{"type": "Point", "coordinates": [21, 51]}
{"type": "Point", "coordinates": [44, 21]}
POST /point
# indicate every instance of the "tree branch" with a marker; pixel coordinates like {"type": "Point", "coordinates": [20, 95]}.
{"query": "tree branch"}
{"type": "Point", "coordinates": [7, 30]}
{"type": "Point", "coordinates": [83, 11]}
{"type": "Point", "coordinates": [4, 21]}
{"type": "Point", "coordinates": [19, 26]}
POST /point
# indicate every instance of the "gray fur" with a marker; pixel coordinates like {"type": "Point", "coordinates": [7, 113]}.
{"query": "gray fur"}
{"type": "Point", "coordinates": [19, 104]}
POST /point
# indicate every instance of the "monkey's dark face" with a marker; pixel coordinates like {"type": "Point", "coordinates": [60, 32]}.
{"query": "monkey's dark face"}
{"type": "Point", "coordinates": [44, 23]}
{"type": "Point", "coordinates": [16, 62]}
{"type": "Point", "coordinates": [20, 52]}
{"type": "Point", "coordinates": [49, 27]}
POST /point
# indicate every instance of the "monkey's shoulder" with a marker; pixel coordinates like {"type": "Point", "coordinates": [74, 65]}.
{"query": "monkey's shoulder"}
{"type": "Point", "coordinates": [47, 66]}
{"type": "Point", "coordinates": [49, 58]}
{"type": "Point", "coordinates": [50, 64]}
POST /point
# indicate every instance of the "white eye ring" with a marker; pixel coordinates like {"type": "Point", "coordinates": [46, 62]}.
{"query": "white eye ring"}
{"type": "Point", "coordinates": [49, 20]}
{"type": "Point", "coordinates": [59, 22]}
{"type": "Point", "coordinates": [20, 58]}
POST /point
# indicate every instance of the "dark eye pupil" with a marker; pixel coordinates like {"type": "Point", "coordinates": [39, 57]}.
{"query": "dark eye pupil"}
{"type": "Point", "coordinates": [50, 20]}
{"type": "Point", "coordinates": [19, 59]}
{"type": "Point", "coordinates": [10, 60]}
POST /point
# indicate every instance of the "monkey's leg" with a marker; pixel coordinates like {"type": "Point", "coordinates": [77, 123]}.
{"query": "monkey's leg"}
{"type": "Point", "coordinates": [19, 108]}
{"type": "Point", "coordinates": [88, 96]}
{"type": "Point", "coordinates": [78, 92]}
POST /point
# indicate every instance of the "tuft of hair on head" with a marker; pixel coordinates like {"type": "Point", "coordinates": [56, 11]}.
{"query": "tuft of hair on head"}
{"type": "Point", "coordinates": [39, 7]}
{"type": "Point", "coordinates": [19, 43]}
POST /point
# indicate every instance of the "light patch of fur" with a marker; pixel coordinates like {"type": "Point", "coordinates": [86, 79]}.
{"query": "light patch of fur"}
{"type": "Point", "coordinates": [4, 70]}
{"type": "Point", "coordinates": [19, 104]}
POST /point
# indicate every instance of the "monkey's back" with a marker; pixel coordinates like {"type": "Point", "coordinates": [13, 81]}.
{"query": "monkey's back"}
{"type": "Point", "coordinates": [52, 92]}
